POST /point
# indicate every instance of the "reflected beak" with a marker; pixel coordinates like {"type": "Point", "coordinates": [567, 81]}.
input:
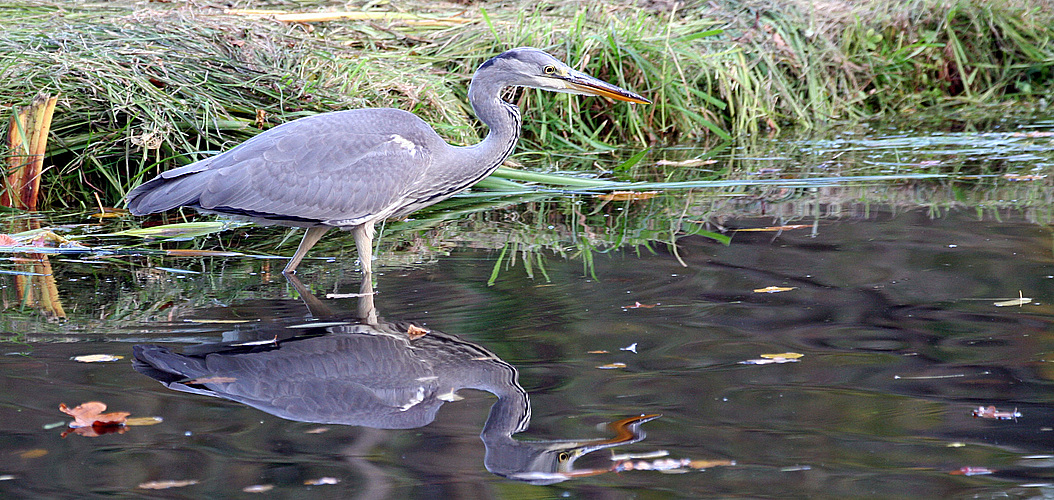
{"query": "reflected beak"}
{"type": "Point", "coordinates": [581, 83]}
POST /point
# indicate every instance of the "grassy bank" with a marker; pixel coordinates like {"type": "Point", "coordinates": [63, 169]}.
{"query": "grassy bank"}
{"type": "Point", "coordinates": [146, 87]}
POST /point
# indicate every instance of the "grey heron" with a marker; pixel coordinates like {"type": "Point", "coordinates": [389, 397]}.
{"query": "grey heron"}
{"type": "Point", "coordinates": [361, 370]}
{"type": "Point", "coordinates": [351, 169]}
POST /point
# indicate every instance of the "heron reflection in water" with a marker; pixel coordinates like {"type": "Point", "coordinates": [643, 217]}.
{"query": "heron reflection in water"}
{"type": "Point", "coordinates": [369, 372]}
{"type": "Point", "coordinates": [352, 169]}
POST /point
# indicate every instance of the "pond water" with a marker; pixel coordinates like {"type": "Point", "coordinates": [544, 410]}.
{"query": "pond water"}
{"type": "Point", "coordinates": [886, 309]}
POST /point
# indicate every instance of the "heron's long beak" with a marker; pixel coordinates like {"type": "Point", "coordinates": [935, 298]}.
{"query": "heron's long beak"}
{"type": "Point", "coordinates": [581, 83]}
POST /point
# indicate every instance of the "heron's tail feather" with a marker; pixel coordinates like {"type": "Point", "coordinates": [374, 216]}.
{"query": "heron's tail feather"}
{"type": "Point", "coordinates": [164, 365]}
{"type": "Point", "coordinates": [171, 189]}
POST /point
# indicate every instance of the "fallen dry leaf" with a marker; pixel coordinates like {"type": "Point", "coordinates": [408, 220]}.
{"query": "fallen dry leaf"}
{"type": "Point", "coordinates": [627, 195]}
{"type": "Point", "coordinates": [775, 289]}
{"type": "Point", "coordinates": [638, 305]}
{"type": "Point", "coordinates": [706, 464]}
{"type": "Point", "coordinates": [258, 488]}
{"type": "Point", "coordinates": [143, 421]}
{"type": "Point", "coordinates": [91, 414]}
{"type": "Point", "coordinates": [7, 241]}
{"type": "Point", "coordinates": [597, 352]}
{"type": "Point", "coordinates": [612, 366]}
{"type": "Point", "coordinates": [770, 359]}
{"type": "Point", "coordinates": [97, 358]}
{"type": "Point", "coordinates": [669, 464]}
{"type": "Point", "coordinates": [415, 332]}
{"type": "Point", "coordinates": [993, 413]}
{"type": "Point", "coordinates": [166, 484]}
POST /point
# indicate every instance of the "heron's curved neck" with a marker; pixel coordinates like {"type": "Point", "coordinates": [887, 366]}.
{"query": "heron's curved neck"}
{"type": "Point", "coordinates": [502, 118]}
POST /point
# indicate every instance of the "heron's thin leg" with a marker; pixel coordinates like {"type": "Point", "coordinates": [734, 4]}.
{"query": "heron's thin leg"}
{"type": "Point", "coordinates": [364, 241]}
{"type": "Point", "coordinates": [311, 236]}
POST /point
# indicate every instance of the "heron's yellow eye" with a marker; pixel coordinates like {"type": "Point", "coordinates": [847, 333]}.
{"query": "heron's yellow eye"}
{"type": "Point", "coordinates": [563, 455]}
{"type": "Point", "coordinates": [549, 69]}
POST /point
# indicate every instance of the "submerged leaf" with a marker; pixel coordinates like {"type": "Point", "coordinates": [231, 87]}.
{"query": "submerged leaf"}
{"type": "Point", "coordinates": [34, 453]}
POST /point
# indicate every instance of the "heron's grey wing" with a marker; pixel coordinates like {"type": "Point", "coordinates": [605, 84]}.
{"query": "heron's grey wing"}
{"type": "Point", "coordinates": [338, 168]}
{"type": "Point", "coordinates": [344, 379]}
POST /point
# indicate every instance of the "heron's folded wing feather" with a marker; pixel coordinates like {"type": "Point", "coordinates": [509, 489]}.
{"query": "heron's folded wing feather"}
{"type": "Point", "coordinates": [341, 166]}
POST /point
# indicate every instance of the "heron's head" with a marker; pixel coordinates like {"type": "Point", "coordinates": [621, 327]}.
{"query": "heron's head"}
{"type": "Point", "coordinates": [530, 67]}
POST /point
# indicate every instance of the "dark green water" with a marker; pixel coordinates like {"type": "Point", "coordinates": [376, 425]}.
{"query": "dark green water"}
{"type": "Point", "coordinates": [892, 307]}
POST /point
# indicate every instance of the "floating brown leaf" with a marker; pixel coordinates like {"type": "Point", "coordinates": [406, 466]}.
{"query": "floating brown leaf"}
{"type": "Point", "coordinates": [97, 358]}
{"type": "Point", "coordinates": [612, 366]}
{"type": "Point", "coordinates": [770, 359]}
{"type": "Point", "coordinates": [415, 332]}
{"type": "Point", "coordinates": [143, 421]}
{"type": "Point", "coordinates": [706, 464]}
{"type": "Point", "coordinates": [91, 414]}
{"type": "Point", "coordinates": [166, 484]}
{"type": "Point", "coordinates": [775, 289]}
{"type": "Point", "coordinates": [993, 413]}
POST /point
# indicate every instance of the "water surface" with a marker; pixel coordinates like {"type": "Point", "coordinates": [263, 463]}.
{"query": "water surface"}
{"type": "Point", "coordinates": [891, 305]}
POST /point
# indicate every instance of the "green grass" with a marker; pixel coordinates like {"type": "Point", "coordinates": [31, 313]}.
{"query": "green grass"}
{"type": "Point", "coordinates": [147, 87]}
